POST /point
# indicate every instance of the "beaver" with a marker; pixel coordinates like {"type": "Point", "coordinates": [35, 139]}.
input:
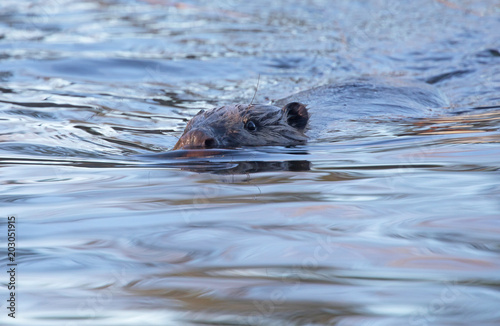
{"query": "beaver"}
{"type": "Point", "coordinates": [286, 121]}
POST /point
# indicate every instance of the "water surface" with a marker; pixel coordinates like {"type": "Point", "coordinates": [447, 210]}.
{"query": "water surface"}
{"type": "Point", "coordinates": [389, 223]}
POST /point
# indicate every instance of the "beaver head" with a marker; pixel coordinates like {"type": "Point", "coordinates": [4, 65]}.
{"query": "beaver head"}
{"type": "Point", "coordinates": [246, 125]}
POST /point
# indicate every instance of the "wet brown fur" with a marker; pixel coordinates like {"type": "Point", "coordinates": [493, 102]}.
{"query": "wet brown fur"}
{"type": "Point", "coordinates": [225, 127]}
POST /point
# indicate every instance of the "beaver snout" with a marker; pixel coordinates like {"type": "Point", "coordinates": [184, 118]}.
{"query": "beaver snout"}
{"type": "Point", "coordinates": [195, 139]}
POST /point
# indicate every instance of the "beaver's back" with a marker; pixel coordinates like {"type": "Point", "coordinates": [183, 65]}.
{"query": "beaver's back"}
{"type": "Point", "coordinates": [368, 98]}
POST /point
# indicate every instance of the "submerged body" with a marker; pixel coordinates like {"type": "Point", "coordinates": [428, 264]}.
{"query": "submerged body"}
{"type": "Point", "coordinates": [295, 119]}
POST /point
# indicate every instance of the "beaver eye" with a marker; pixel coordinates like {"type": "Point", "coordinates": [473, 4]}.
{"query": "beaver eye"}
{"type": "Point", "coordinates": [250, 126]}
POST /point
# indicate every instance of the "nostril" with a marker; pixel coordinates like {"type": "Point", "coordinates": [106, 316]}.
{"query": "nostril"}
{"type": "Point", "coordinates": [196, 139]}
{"type": "Point", "coordinates": [209, 143]}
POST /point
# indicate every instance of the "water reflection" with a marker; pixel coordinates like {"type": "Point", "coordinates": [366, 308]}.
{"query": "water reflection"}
{"type": "Point", "coordinates": [380, 222]}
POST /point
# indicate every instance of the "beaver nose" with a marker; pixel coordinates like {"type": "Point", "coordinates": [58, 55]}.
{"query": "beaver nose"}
{"type": "Point", "coordinates": [195, 139]}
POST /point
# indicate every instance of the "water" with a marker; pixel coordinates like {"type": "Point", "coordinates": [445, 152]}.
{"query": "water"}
{"type": "Point", "coordinates": [393, 223]}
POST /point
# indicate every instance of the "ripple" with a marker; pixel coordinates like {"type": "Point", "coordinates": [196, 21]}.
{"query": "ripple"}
{"type": "Point", "coordinates": [380, 222]}
{"type": "Point", "coordinates": [477, 233]}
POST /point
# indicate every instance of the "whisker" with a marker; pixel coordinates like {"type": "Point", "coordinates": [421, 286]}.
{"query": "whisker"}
{"type": "Point", "coordinates": [256, 90]}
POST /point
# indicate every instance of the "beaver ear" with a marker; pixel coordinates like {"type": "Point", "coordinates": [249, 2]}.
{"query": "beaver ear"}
{"type": "Point", "coordinates": [296, 115]}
